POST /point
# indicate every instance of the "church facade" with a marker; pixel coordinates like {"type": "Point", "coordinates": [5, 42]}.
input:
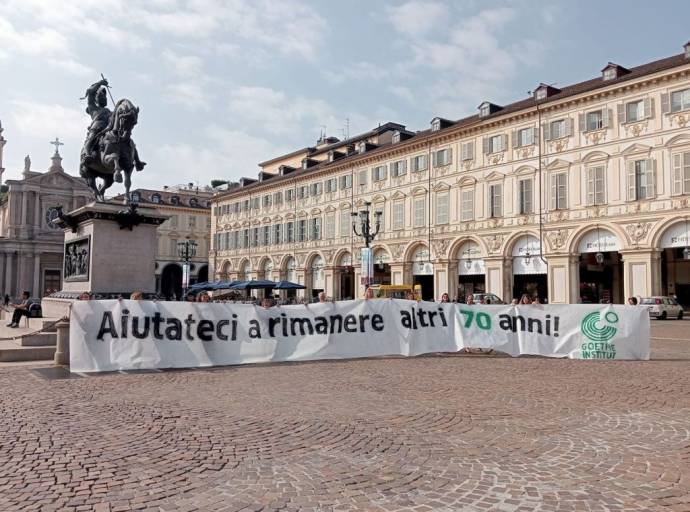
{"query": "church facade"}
{"type": "Point", "coordinates": [31, 247]}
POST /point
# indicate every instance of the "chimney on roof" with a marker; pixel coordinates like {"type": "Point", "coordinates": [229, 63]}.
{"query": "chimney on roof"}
{"type": "Point", "coordinates": [686, 47]}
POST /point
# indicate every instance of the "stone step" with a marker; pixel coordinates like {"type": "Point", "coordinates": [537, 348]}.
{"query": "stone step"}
{"type": "Point", "coordinates": [41, 339]}
{"type": "Point", "coordinates": [27, 354]}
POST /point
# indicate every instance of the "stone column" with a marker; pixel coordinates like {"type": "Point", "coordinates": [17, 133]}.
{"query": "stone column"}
{"type": "Point", "coordinates": [302, 279]}
{"type": "Point", "coordinates": [25, 211]}
{"type": "Point", "coordinates": [442, 278]}
{"type": "Point", "coordinates": [641, 273]}
{"type": "Point", "coordinates": [8, 273]}
{"type": "Point", "coordinates": [499, 276]}
{"type": "Point", "coordinates": [37, 214]}
{"type": "Point", "coordinates": [329, 286]}
{"type": "Point", "coordinates": [62, 344]}
{"type": "Point", "coordinates": [397, 273]}
{"type": "Point", "coordinates": [36, 291]}
{"type": "Point", "coordinates": [563, 279]}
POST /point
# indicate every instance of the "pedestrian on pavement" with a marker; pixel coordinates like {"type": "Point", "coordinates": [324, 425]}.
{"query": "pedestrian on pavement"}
{"type": "Point", "coordinates": [7, 300]}
{"type": "Point", "coordinates": [20, 309]}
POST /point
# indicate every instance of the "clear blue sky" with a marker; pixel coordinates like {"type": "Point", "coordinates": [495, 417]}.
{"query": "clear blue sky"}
{"type": "Point", "coordinates": [223, 85]}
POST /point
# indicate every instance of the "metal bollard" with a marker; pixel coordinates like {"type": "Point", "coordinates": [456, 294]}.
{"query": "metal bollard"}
{"type": "Point", "coordinates": [62, 345]}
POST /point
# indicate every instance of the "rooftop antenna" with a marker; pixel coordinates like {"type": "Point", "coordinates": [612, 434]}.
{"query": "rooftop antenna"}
{"type": "Point", "coordinates": [323, 132]}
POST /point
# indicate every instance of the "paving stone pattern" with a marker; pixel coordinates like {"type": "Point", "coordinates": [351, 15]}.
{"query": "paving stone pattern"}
{"type": "Point", "coordinates": [442, 433]}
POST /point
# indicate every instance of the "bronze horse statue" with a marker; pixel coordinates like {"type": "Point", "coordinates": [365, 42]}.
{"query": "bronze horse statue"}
{"type": "Point", "coordinates": [109, 151]}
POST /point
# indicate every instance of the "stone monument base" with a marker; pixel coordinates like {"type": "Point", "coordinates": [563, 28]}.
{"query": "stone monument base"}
{"type": "Point", "coordinates": [110, 251]}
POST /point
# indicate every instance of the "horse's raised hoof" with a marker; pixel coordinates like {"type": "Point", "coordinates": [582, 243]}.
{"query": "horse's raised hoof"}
{"type": "Point", "coordinates": [118, 177]}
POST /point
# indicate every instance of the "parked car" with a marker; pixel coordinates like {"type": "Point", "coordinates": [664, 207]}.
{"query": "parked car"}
{"type": "Point", "coordinates": [663, 307]}
{"type": "Point", "coordinates": [487, 298]}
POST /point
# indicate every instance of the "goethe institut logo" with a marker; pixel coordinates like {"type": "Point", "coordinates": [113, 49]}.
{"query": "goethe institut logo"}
{"type": "Point", "coordinates": [599, 333]}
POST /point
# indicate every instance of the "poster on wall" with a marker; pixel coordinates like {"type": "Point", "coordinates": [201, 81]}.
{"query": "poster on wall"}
{"type": "Point", "coordinates": [113, 335]}
{"type": "Point", "coordinates": [367, 266]}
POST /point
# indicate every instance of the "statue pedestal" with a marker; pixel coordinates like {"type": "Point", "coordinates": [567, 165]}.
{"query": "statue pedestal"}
{"type": "Point", "coordinates": [110, 250]}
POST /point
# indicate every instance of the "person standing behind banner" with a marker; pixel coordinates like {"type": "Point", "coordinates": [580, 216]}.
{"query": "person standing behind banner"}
{"type": "Point", "coordinates": [445, 298]}
{"type": "Point", "coordinates": [525, 300]}
{"type": "Point", "coordinates": [469, 300]}
{"type": "Point", "coordinates": [632, 301]}
{"type": "Point", "coordinates": [322, 297]}
{"type": "Point", "coordinates": [368, 293]}
{"type": "Point", "coordinates": [136, 296]}
{"type": "Point", "coordinates": [203, 297]}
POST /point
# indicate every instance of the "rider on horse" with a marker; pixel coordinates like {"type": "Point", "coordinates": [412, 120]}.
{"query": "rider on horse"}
{"type": "Point", "coordinates": [97, 101]}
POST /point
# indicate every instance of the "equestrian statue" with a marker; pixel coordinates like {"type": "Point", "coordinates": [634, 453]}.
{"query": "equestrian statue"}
{"type": "Point", "coordinates": [109, 151]}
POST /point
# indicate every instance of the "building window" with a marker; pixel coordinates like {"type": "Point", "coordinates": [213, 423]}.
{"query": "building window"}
{"type": "Point", "coordinates": [315, 231]}
{"type": "Point", "coordinates": [378, 173]}
{"type": "Point", "coordinates": [135, 197]}
{"type": "Point", "coordinates": [467, 151]}
{"type": "Point", "coordinates": [640, 180]}
{"type": "Point", "coordinates": [156, 198]}
{"type": "Point", "coordinates": [362, 178]}
{"type": "Point", "coordinates": [192, 222]}
{"type": "Point", "coordinates": [541, 93]}
{"type": "Point", "coordinates": [443, 157]}
{"type": "Point", "coordinates": [419, 217]}
{"type": "Point", "coordinates": [277, 233]}
{"type": "Point", "coordinates": [303, 192]}
{"type": "Point", "coordinates": [256, 203]}
{"type": "Point", "coordinates": [398, 215]}
{"type": "Point", "coordinates": [245, 238]}
{"type": "Point", "coordinates": [173, 246]}
{"type": "Point", "coordinates": [346, 181]}
{"type": "Point", "coordinates": [290, 195]}
{"type": "Point", "coordinates": [680, 100]}
{"type": "Point", "coordinates": [267, 201]}
{"type": "Point", "coordinates": [399, 168]}
{"type": "Point", "coordinates": [278, 198]}
{"type": "Point", "coordinates": [193, 202]}
{"type": "Point", "coordinates": [316, 189]}
{"type": "Point", "coordinates": [494, 144]}
{"type": "Point", "coordinates": [266, 236]}
{"type": "Point", "coordinates": [610, 74]}
{"type": "Point", "coordinates": [381, 207]}
{"type": "Point", "coordinates": [559, 191]}
{"type": "Point", "coordinates": [495, 200]}
{"type": "Point", "coordinates": [255, 237]}
{"type": "Point", "coordinates": [634, 111]}
{"type": "Point", "coordinates": [345, 222]}
{"type": "Point", "coordinates": [681, 173]}
{"type": "Point", "coordinates": [484, 110]}
{"type": "Point", "coordinates": [175, 200]}
{"type": "Point", "coordinates": [301, 230]}
{"type": "Point", "coordinates": [330, 225]}
{"type": "Point", "coordinates": [442, 208]}
{"type": "Point", "coordinates": [467, 205]}
{"type": "Point", "coordinates": [525, 196]}
{"type": "Point", "coordinates": [436, 125]}
{"type": "Point", "coordinates": [331, 185]}
{"type": "Point", "coordinates": [596, 180]}
{"type": "Point", "coordinates": [289, 232]}
{"type": "Point", "coordinates": [557, 129]}
{"type": "Point", "coordinates": [418, 163]}
{"type": "Point", "coordinates": [524, 137]}
{"type": "Point", "coordinates": [595, 120]}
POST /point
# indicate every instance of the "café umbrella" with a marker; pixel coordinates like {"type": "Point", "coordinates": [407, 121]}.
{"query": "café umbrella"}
{"type": "Point", "coordinates": [288, 285]}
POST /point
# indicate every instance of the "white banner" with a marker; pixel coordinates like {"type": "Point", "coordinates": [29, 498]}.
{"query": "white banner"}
{"type": "Point", "coordinates": [125, 335]}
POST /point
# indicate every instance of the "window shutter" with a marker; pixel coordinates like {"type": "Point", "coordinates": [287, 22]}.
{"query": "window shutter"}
{"type": "Point", "coordinates": [546, 130]}
{"type": "Point", "coordinates": [421, 165]}
{"type": "Point", "coordinates": [632, 185]}
{"type": "Point", "coordinates": [606, 118]}
{"type": "Point", "coordinates": [581, 121]}
{"type": "Point", "coordinates": [665, 103]}
{"type": "Point", "coordinates": [434, 159]}
{"type": "Point", "coordinates": [384, 172]}
{"type": "Point", "coordinates": [569, 127]}
{"type": "Point", "coordinates": [504, 142]}
{"type": "Point", "coordinates": [485, 145]}
{"type": "Point", "coordinates": [621, 113]}
{"type": "Point", "coordinates": [535, 134]}
{"type": "Point", "coordinates": [648, 108]}
{"type": "Point", "coordinates": [590, 186]}
{"type": "Point", "coordinates": [554, 191]}
{"type": "Point", "coordinates": [449, 159]}
{"type": "Point", "coordinates": [514, 137]}
{"type": "Point", "coordinates": [677, 174]}
{"type": "Point", "coordinates": [650, 173]}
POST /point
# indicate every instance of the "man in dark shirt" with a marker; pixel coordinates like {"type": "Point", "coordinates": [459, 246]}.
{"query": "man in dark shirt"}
{"type": "Point", "coordinates": [20, 309]}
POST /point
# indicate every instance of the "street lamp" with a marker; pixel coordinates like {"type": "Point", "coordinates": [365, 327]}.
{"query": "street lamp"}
{"type": "Point", "coordinates": [365, 224]}
{"type": "Point", "coordinates": [186, 251]}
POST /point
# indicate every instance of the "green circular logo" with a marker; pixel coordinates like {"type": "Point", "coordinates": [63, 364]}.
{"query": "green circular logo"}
{"type": "Point", "coordinates": [601, 333]}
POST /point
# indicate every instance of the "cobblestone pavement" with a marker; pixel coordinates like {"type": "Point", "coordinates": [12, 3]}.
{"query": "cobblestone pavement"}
{"type": "Point", "coordinates": [442, 433]}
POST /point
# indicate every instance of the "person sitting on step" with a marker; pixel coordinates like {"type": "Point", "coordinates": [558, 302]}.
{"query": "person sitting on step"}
{"type": "Point", "coordinates": [20, 309]}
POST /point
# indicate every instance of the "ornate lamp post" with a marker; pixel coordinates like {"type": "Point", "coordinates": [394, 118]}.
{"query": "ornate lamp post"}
{"type": "Point", "coordinates": [186, 250]}
{"type": "Point", "coordinates": [365, 224]}
{"type": "Point", "coordinates": [368, 235]}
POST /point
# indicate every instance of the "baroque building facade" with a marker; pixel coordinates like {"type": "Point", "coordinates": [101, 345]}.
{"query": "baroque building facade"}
{"type": "Point", "coordinates": [577, 194]}
{"type": "Point", "coordinates": [31, 246]}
